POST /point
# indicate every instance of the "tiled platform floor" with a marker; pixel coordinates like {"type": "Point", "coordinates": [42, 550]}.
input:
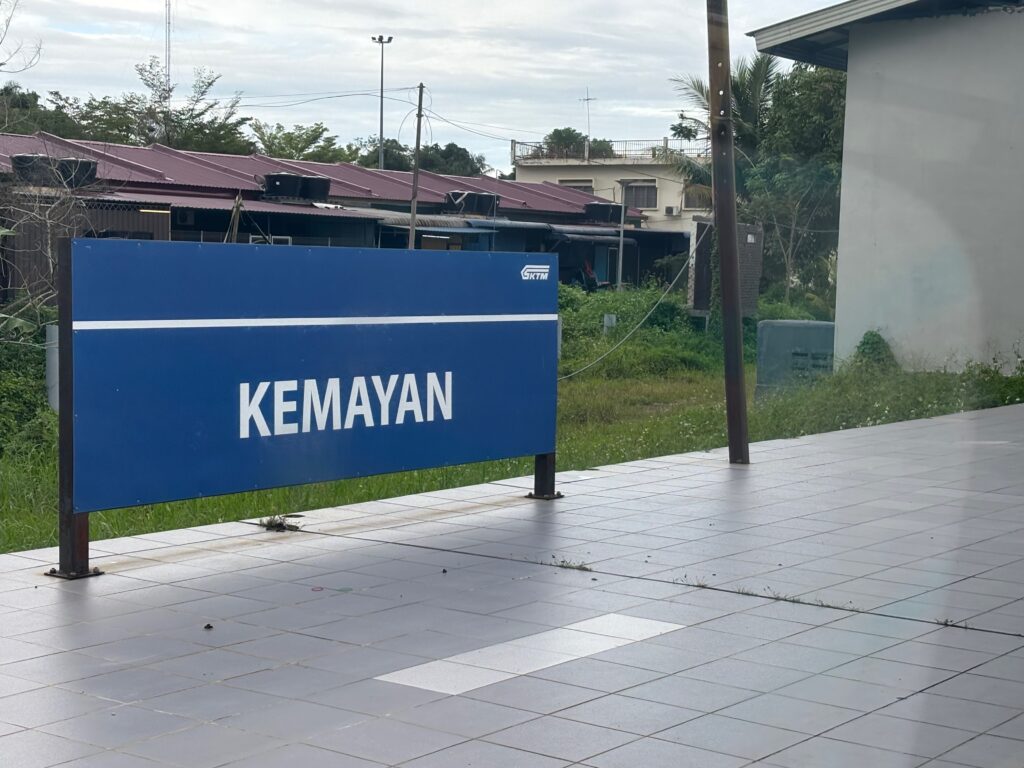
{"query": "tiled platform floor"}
{"type": "Point", "coordinates": [439, 631]}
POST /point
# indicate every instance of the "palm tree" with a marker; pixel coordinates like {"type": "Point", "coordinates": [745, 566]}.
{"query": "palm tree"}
{"type": "Point", "coordinates": [753, 82]}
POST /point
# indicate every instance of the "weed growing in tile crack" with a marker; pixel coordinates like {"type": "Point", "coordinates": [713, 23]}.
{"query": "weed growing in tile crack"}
{"type": "Point", "coordinates": [570, 564]}
{"type": "Point", "coordinates": [278, 523]}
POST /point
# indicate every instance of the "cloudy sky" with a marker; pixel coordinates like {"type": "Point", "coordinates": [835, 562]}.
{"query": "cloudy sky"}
{"type": "Point", "coordinates": [503, 69]}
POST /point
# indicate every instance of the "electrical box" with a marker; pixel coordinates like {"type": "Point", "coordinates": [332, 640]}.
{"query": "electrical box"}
{"type": "Point", "coordinates": [792, 352]}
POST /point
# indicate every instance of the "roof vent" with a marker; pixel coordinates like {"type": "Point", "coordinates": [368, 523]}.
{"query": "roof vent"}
{"type": "Point", "coordinates": [480, 203]}
{"type": "Point", "coordinates": [41, 170]}
{"type": "Point", "coordinates": [316, 188]}
{"type": "Point", "coordinates": [282, 185]}
{"type": "Point", "coordinates": [605, 213]}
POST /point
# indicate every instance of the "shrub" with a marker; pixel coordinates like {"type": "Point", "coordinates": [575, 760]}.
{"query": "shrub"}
{"type": "Point", "coordinates": [874, 352]}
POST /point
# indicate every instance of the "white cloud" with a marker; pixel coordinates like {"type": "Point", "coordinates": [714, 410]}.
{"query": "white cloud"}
{"type": "Point", "coordinates": [523, 65]}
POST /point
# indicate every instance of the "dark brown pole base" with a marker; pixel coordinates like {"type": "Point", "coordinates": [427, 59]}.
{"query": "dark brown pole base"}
{"type": "Point", "coordinates": [73, 576]}
{"type": "Point", "coordinates": [544, 478]}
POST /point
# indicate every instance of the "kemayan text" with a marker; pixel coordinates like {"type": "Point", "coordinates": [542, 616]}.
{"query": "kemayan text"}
{"type": "Point", "coordinates": [276, 408]}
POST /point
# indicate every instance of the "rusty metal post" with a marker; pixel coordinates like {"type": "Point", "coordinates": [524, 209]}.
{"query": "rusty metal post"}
{"type": "Point", "coordinates": [724, 180]}
{"type": "Point", "coordinates": [73, 529]}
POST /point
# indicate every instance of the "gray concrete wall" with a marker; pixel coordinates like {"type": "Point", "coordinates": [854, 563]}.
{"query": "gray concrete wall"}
{"type": "Point", "coordinates": [931, 251]}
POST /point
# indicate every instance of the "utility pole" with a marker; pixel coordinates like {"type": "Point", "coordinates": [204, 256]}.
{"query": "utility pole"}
{"type": "Point", "coordinates": [724, 182]}
{"type": "Point", "coordinates": [167, 51]}
{"type": "Point", "coordinates": [416, 171]}
{"type": "Point", "coordinates": [381, 41]}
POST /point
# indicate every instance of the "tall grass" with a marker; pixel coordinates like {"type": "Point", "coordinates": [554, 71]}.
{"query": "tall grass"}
{"type": "Point", "coordinates": [660, 393]}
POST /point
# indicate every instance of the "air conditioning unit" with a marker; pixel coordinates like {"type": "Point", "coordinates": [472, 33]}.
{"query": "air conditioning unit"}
{"type": "Point", "coordinates": [672, 210]}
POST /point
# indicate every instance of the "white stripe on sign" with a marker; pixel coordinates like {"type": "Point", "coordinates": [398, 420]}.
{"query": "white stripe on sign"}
{"type": "Point", "coordinates": [495, 663]}
{"type": "Point", "coordinates": [284, 322]}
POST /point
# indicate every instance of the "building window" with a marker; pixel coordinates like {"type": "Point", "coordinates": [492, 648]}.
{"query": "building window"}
{"type": "Point", "coordinates": [583, 185]}
{"type": "Point", "coordinates": [642, 194]}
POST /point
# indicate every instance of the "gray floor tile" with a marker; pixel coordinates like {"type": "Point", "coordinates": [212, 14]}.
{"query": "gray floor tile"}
{"type": "Point", "coordinates": [839, 692]}
{"type": "Point", "coordinates": [374, 697]}
{"type": "Point", "coordinates": [291, 681]}
{"type": "Point", "coordinates": [892, 673]}
{"type": "Point", "coordinates": [130, 685]}
{"type": "Point", "coordinates": [989, 690]}
{"type": "Point", "coordinates": [689, 694]}
{"type": "Point", "coordinates": [292, 720]}
{"type": "Point", "coordinates": [464, 717]}
{"type": "Point", "coordinates": [301, 755]}
{"type": "Point", "coordinates": [204, 746]}
{"type": "Point", "coordinates": [798, 657]}
{"type": "Point", "coordinates": [987, 752]}
{"type": "Point", "coordinates": [953, 713]}
{"type": "Point", "coordinates": [33, 749]}
{"type": "Point", "coordinates": [534, 694]}
{"type": "Point", "coordinates": [745, 674]}
{"type": "Point", "coordinates": [733, 737]}
{"type": "Point", "coordinates": [560, 738]}
{"type": "Point", "coordinates": [112, 760]}
{"type": "Point", "coordinates": [628, 714]}
{"type": "Point", "coordinates": [117, 727]}
{"type": "Point", "coordinates": [386, 741]}
{"type": "Point", "coordinates": [655, 752]}
{"type": "Point", "coordinates": [211, 702]}
{"type": "Point", "coordinates": [899, 735]}
{"type": "Point", "coordinates": [47, 705]}
{"type": "Point", "coordinates": [597, 674]}
{"type": "Point", "coordinates": [937, 656]}
{"type": "Point", "coordinates": [820, 752]}
{"type": "Point", "coordinates": [480, 754]}
{"type": "Point", "coordinates": [806, 717]}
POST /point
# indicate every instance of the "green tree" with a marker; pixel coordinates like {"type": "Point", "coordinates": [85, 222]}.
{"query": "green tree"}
{"type": "Point", "coordinates": [753, 85]}
{"type": "Point", "coordinates": [25, 112]}
{"type": "Point", "coordinates": [808, 114]}
{"type": "Point", "coordinates": [797, 200]}
{"type": "Point", "coordinates": [301, 142]}
{"type": "Point", "coordinates": [568, 142]}
{"type": "Point", "coordinates": [452, 159]}
{"type": "Point", "coordinates": [397, 156]}
{"type": "Point", "coordinates": [199, 123]}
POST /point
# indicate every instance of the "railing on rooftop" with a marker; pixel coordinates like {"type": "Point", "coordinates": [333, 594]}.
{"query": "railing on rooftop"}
{"type": "Point", "coordinates": [664, 149]}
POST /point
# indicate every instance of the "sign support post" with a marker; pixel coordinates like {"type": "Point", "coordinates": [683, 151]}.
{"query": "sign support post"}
{"type": "Point", "coordinates": [544, 478]}
{"type": "Point", "coordinates": [73, 530]}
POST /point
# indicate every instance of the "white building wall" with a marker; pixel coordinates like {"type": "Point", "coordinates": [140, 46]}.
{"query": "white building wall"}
{"type": "Point", "coordinates": [931, 252]}
{"type": "Point", "coordinates": [606, 174]}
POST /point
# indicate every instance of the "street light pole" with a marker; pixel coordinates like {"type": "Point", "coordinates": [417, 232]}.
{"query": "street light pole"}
{"type": "Point", "coordinates": [381, 41]}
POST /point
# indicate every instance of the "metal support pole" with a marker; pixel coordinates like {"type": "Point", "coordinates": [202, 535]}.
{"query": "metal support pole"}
{"type": "Point", "coordinates": [381, 41]}
{"type": "Point", "coordinates": [416, 172]}
{"type": "Point", "coordinates": [622, 234]}
{"type": "Point", "coordinates": [724, 181]}
{"type": "Point", "coordinates": [544, 478]}
{"type": "Point", "coordinates": [73, 529]}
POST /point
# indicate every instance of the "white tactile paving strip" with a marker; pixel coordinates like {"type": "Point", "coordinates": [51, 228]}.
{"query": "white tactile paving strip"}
{"type": "Point", "coordinates": [466, 672]}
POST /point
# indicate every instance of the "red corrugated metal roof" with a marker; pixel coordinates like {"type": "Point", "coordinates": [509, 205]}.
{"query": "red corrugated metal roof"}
{"type": "Point", "coordinates": [157, 166]}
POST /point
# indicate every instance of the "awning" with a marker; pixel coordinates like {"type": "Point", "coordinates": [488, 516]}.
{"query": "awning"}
{"type": "Point", "coordinates": [577, 229]}
{"type": "Point", "coordinates": [446, 230]}
{"type": "Point", "coordinates": [508, 224]}
{"type": "Point", "coordinates": [599, 239]}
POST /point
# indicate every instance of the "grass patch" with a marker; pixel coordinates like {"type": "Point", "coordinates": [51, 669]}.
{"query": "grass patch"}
{"type": "Point", "coordinates": [661, 393]}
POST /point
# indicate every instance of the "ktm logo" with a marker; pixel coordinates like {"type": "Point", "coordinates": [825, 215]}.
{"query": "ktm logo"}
{"type": "Point", "coordinates": [536, 272]}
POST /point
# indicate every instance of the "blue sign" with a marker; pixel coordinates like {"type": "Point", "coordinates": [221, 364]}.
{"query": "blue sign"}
{"type": "Point", "coordinates": [204, 369]}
